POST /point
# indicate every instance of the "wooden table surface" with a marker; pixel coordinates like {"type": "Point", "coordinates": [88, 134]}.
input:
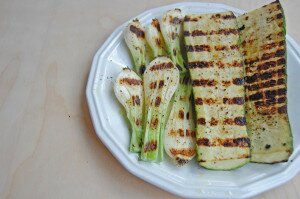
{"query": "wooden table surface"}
{"type": "Point", "coordinates": [48, 146]}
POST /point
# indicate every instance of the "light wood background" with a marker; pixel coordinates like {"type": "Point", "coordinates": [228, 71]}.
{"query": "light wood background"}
{"type": "Point", "coordinates": [48, 147]}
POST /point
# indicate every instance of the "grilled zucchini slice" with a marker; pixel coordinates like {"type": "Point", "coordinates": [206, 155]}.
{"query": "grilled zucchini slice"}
{"type": "Point", "coordinates": [161, 79]}
{"type": "Point", "coordinates": [128, 89]}
{"type": "Point", "coordinates": [216, 70]}
{"type": "Point", "coordinates": [262, 33]}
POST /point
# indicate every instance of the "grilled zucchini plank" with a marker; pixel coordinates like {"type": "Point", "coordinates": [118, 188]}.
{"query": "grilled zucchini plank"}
{"type": "Point", "coordinates": [264, 49]}
{"type": "Point", "coordinates": [128, 89]}
{"type": "Point", "coordinates": [216, 70]}
{"type": "Point", "coordinates": [161, 79]}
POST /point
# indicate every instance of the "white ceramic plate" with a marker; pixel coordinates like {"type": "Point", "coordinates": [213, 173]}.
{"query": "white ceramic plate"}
{"type": "Point", "coordinates": [190, 181]}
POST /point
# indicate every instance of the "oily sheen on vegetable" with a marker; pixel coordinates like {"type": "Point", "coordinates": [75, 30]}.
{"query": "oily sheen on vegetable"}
{"type": "Point", "coordinates": [129, 91]}
{"type": "Point", "coordinates": [179, 137]}
{"type": "Point", "coordinates": [233, 81]}
{"type": "Point", "coordinates": [216, 69]}
{"type": "Point", "coordinates": [161, 79]}
{"type": "Point", "coordinates": [262, 33]}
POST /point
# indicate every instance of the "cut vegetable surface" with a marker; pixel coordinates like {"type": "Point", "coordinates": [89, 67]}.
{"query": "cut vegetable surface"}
{"type": "Point", "coordinates": [161, 79]}
{"type": "Point", "coordinates": [134, 35]}
{"type": "Point", "coordinates": [171, 28]}
{"type": "Point", "coordinates": [217, 76]}
{"type": "Point", "coordinates": [264, 49]}
{"type": "Point", "coordinates": [155, 39]}
{"type": "Point", "coordinates": [129, 91]}
{"type": "Point", "coordinates": [179, 138]}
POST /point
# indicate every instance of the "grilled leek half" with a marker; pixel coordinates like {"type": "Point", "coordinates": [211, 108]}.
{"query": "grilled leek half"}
{"type": "Point", "coordinates": [262, 34]}
{"type": "Point", "coordinates": [171, 29]}
{"type": "Point", "coordinates": [179, 138]}
{"type": "Point", "coordinates": [161, 79]}
{"type": "Point", "coordinates": [134, 36]}
{"type": "Point", "coordinates": [128, 89]}
{"type": "Point", "coordinates": [217, 75]}
{"type": "Point", "coordinates": [155, 39]}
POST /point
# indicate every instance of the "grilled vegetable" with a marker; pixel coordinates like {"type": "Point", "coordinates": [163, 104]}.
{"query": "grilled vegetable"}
{"type": "Point", "coordinates": [160, 82]}
{"type": "Point", "coordinates": [216, 70]}
{"type": "Point", "coordinates": [155, 39]}
{"type": "Point", "coordinates": [129, 91]}
{"type": "Point", "coordinates": [135, 39]}
{"type": "Point", "coordinates": [179, 141]}
{"type": "Point", "coordinates": [264, 48]}
{"type": "Point", "coordinates": [171, 28]}
{"type": "Point", "coordinates": [179, 138]}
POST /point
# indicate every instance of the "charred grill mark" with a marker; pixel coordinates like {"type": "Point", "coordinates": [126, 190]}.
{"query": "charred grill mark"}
{"type": "Point", "coordinates": [136, 100]}
{"type": "Point", "coordinates": [138, 122]}
{"type": "Point", "coordinates": [265, 76]}
{"type": "Point", "coordinates": [187, 152]}
{"type": "Point", "coordinates": [255, 97]}
{"type": "Point", "coordinates": [201, 121]}
{"type": "Point", "coordinates": [175, 20]}
{"type": "Point", "coordinates": [189, 133]}
{"type": "Point", "coordinates": [150, 146]}
{"type": "Point", "coordinates": [198, 101]}
{"type": "Point", "coordinates": [154, 123]}
{"type": "Point", "coordinates": [158, 42]}
{"type": "Point", "coordinates": [227, 142]}
{"type": "Point", "coordinates": [181, 114]}
{"type": "Point", "coordinates": [282, 109]}
{"type": "Point", "coordinates": [161, 84]}
{"type": "Point", "coordinates": [204, 82]}
{"type": "Point", "coordinates": [238, 81]}
{"type": "Point", "coordinates": [241, 121]}
{"type": "Point", "coordinates": [200, 64]}
{"type": "Point", "coordinates": [197, 48]}
{"type": "Point", "coordinates": [232, 64]}
{"type": "Point", "coordinates": [181, 132]}
{"type": "Point", "coordinates": [131, 81]}
{"type": "Point", "coordinates": [157, 101]}
{"type": "Point", "coordinates": [155, 23]}
{"type": "Point", "coordinates": [226, 16]}
{"type": "Point", "coordinates": [226, 31]}
{"type": "Point", "coordinates": [153, 85]}
{"type": "Point", "coordinates": [193, 19]}
{"type": "Point", "coordinates": [137, 31]}
{"type": "Point", "coordinates": [162, 66]}
{"type": "Point", "coordinates": [212, 101]}
{"type": "Point", "coordinates": [267, 84]}
{"type": "Point", "coordinates": [222, 47]}
{"type": "Point", "coordinates": [226, 83]}
{"type": "Point", "coordinates": [213, 122]}
{"type": "Point", "coordinates": [273, 45]}
{"type": "Point", "coordinates": [203, 142]}
{"type": "Point", "coordinates": [235, 100]}
{"type": "Point", "coordinates": [267, 56]}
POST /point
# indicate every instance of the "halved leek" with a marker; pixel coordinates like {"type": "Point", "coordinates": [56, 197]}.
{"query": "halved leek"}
{"type": "Point", "coordinates": [128, 89]}
{"type": "Point", "coordinates": [161, 79]}
{"type": "Point", "coordinates": [134, 36]}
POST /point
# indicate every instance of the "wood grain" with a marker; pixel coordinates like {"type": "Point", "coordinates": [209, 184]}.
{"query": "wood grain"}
{"type": "Point", "coordinates": [48, 147]}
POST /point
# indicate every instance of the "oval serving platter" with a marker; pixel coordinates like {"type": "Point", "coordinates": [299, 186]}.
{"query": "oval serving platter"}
{"type": "Point", "coordinates": [190, 181]}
